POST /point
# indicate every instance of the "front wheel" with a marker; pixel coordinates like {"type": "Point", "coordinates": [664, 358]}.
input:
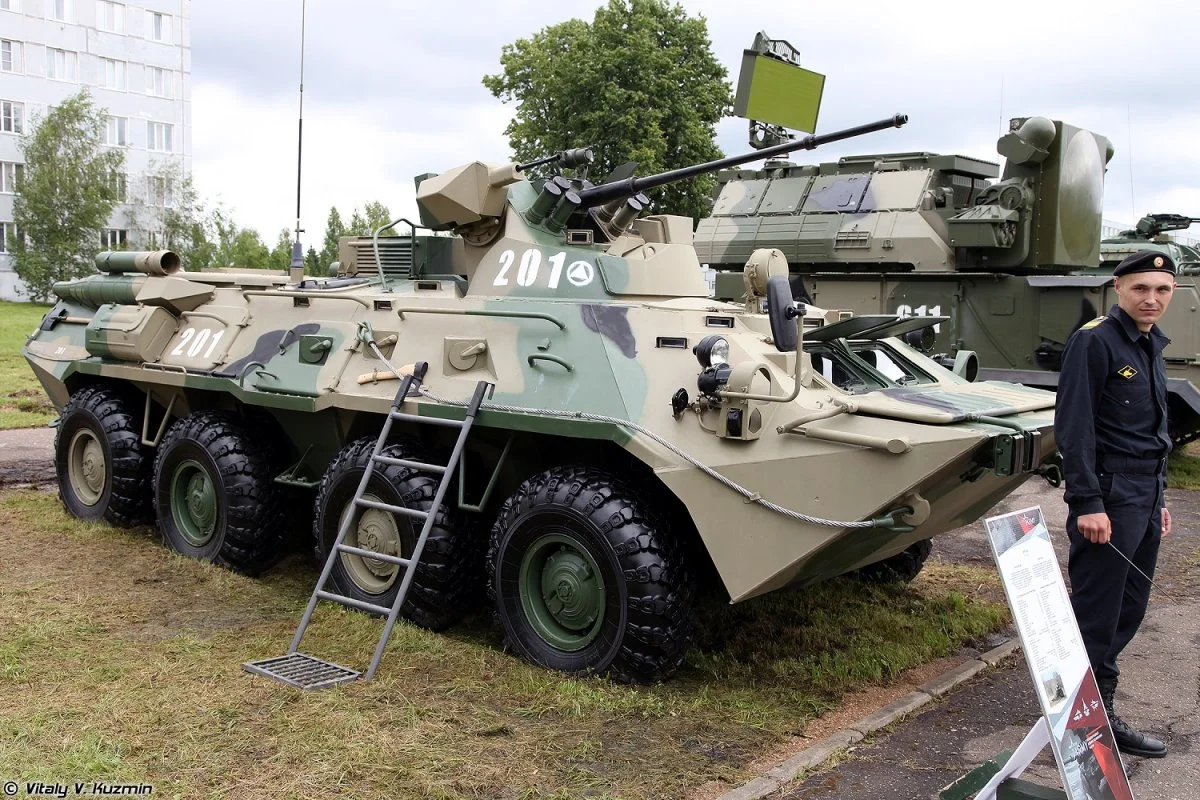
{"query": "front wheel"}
{"type": "Point", "coordinates": [586, 578]}
{"type": "Point", "coordinates": [103, 470]}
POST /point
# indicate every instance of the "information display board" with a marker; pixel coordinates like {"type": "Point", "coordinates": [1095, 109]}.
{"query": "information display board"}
{"type": "Point", "coordinates": [1075, 720]}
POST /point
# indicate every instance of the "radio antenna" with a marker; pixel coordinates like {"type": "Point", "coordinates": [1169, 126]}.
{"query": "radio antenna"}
{"type": "Point", "coordinates": [1129, 136]}
{"type": "Point", "coordinates": [297, 248]}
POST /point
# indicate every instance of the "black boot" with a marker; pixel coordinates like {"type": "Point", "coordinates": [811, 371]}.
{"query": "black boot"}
{"type": "Point", "coordinates": [1129, 741]}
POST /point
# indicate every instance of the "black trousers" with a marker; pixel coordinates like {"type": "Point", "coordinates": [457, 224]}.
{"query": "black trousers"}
{"type": "Point", "coordinates": [1109, 596]}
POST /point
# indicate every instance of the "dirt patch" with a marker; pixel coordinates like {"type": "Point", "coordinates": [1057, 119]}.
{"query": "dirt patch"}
{"type": "Point", "coordinates": [27, 475]}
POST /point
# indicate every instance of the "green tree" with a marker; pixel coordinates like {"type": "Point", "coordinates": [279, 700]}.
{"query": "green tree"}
{"type": "Point", "coordinates": [281, 254]}
{"type": "Point", "coordinates": [163, 212]}
{"type": "Point", "coordinates": [334, 230]}
{"type": "Point", "coordinates": [373, 216]}
{"type": "Point", "coordinates": [377, 216]}
{"type": "Point", "coordinates": [312, 263]}
{"type": "Point", "coordinates": [639, 83]}
{"type": "Point", "coordinates": [66, 195]}
{"type": "Point", "coordinates": [248, 250]}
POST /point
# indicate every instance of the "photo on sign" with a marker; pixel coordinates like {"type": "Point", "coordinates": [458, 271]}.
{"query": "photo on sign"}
{"type": "Point", "coordinates": [1009, 529]}
{"type": "Point", "coordinates": [1053, 689]}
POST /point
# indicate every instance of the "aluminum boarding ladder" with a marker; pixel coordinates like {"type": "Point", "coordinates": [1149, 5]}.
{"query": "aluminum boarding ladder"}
{"type": "Point", "coordinates": [306, 672]}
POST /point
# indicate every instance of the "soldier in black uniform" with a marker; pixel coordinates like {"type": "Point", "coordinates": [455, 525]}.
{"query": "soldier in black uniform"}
{"type": "Point", "coordinates": [1111, 426]}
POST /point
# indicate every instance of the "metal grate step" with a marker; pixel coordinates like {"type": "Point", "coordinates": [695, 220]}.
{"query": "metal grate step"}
{"type": "Point", "coordinates": [301, 671]}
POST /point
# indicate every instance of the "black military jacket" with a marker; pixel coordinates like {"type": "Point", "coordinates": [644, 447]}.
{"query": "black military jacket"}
{"type": "Point", "coordinates": [1112, 401]}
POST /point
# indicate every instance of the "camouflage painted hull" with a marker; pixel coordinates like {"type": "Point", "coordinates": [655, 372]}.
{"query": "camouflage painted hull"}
{"type": "Point", "coordinates": [318, 378]}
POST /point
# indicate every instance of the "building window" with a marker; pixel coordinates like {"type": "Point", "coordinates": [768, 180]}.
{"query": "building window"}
{"type": "Point", "coordinates": [61, 64]}
{"type": "Point", "coordinates": [113, 238]}
{"type": "Point", "coordinates": [115, 134]}
{"type": "Point", "coordinates": [10, 176]}
{"type": "Point", "coordinates": [118, 183]}
{"type": "Point", "coordinates": [158, 26]}
{"type": "Point", "coordinates": [12, 117]}
{"type": "Point", "coordinates": [114, 74]}
{"type": "Point", "coordinates": [158, 136]}
{"type": "Point", "coordinates": [11, 56]}
{"type": "Point", "coordinates": [159, 82]}
{"type": "Point", "coordinates": [162, 191]}
{"type": "Point", "coordinates": [111, 17]}
{"type": "Point", "coordinates": [61, 10]}
{"type": "Point", "coordinates": [6, 230]}
{"type": "Point", "coordinates": [10, 5]}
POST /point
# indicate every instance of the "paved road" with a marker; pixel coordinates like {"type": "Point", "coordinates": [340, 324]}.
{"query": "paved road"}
{"type": "Point", "coordinates": [1159, 691]}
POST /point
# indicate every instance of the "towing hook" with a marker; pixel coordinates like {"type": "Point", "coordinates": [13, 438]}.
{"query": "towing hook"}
{"type": "Point", "coordinates": [1052, 470]}
{"type": "Point", "coordinates": [891, 520]}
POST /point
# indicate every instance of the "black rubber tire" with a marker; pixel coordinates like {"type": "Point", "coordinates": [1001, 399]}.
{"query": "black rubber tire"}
{"type": "Point", "coordinates": [648, 621]}
{"type": "Point", "coordinates": [449, 577]}
{"type": "Point", "coordinates": [900, 568]}
{"type": "Point", "coordinates": [115, 424]}
{"type": "Point", "coordinates": [247, 535]}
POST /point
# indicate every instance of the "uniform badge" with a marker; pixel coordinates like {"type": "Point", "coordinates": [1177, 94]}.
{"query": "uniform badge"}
{"type": "Point", "coordinates": [1127, 372]}
{"type": "Point", "coordinates": [1158, 261]}
{"type": "Point", "coordinates": [1092, 324]}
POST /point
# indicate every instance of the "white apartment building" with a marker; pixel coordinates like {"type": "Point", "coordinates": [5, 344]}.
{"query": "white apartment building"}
{"type": "Point", "coordinates": [135, 58]}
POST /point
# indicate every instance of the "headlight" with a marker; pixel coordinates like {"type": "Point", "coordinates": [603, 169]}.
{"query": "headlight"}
{"type": "Point", "coordinates": [712, 351]}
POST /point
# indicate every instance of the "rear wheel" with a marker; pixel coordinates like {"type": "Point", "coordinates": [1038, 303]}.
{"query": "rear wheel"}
{"type": "Point", "coordinates": [586, 578]}
{"type": "Point", "coordinates": [449, 577]}
{"type": "Point", "coordinates": [215, 494]}
{"type": "Point", "coordinates": [900, 568]}
{"type": "Point", "coordinates": [103, 470]}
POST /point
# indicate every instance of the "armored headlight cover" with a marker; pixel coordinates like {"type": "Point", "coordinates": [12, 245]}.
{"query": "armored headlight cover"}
{"type": "Point", "coordinates": [712, 351]}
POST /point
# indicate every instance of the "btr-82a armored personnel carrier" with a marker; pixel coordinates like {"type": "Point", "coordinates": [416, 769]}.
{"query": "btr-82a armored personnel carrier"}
{"type": "Point", "coordinates": [540, 395]}
{"type": "Point", "coordinates": [1014, 264]}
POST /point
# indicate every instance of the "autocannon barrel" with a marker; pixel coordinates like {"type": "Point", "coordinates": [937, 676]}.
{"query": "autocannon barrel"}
{"type": "Point", "coordinates": [607, 192]}
{"type": "Point", "coordinates": [148, 262]}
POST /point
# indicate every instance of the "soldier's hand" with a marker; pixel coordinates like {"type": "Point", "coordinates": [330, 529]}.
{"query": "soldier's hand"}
{"type": "Point", "coordinates": [1095, 527]}
{"type": "Point", "coordinates": [1166, 522]}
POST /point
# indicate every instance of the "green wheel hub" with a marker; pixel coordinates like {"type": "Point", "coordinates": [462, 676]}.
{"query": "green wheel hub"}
{"type": "Point", "coordinates": [86, 467]}
{"type": "Point", "coordinates": [562, 592]}
{"type": "Point", "coordinates": [378, 532]}
{"type": "Point", "coordinates": [194, 503]}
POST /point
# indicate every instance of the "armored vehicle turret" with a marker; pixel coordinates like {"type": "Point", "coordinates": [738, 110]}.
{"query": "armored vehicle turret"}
{"type": "Point", "coordinates": [532, 391]}
{"type": "Point", "coordinates": [1012, 258]}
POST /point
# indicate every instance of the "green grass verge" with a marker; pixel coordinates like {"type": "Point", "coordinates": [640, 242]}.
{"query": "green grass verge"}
{"type": "Point", "coordinates": [23, 403]}
{"type": "Point", "coordinates": [122, 661]}
{"type": "Point", "coordinates": [1183, 468]}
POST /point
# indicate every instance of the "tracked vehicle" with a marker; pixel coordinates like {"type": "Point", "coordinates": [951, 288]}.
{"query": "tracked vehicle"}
{"type": "Point", "coordinates": [1014, 263]}
{"type": "Point", "coordinates": [531, 392]}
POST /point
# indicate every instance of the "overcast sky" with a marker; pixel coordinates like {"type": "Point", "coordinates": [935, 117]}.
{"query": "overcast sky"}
{"type": "Point", "coordinates": [392, 89]}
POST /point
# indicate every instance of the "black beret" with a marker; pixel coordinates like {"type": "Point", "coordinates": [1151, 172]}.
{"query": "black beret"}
{"type": "Point", "coordinates": [1145, 261]}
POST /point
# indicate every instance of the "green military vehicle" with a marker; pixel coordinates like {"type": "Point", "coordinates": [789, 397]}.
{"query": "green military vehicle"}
{"type": "Point", "coordinates": [531, 394]}
{"type": "Point", "coordinates": [1015, 263]}
{"type": "Point", "coordinates": [1152, 233]}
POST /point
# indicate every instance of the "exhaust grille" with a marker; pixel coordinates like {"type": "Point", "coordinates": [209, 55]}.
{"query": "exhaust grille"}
{"type": "Point", "coordinates": [394, 251]}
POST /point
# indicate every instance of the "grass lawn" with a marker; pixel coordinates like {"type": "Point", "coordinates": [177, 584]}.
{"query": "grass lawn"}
{"type": "Point", "coordinates": [121, 661]}
{"type": "Point", "coordinates": [23, 403]}
{"type": "Point", "coordinates": [1183, 470]}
